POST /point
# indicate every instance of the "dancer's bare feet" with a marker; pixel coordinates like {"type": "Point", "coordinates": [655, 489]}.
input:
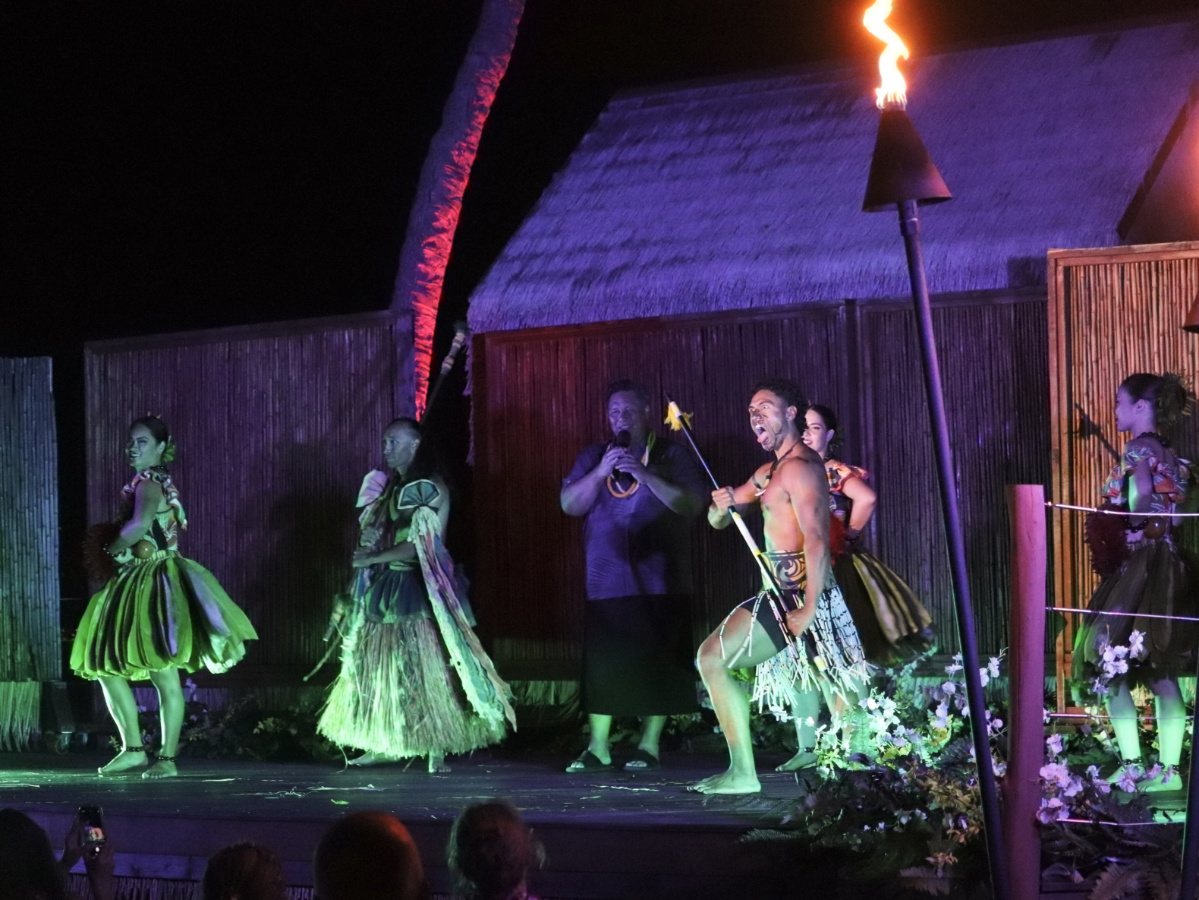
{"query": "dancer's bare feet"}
{"type": "Point", "coordinates": [804, 759]}
{"type": "Point", "coordinates": [123, 762]}
{"type": "Point", "coordinates": [164, 767]}
{"type": "Point", "coordinates": [729, 782]}
{"type": "Point", "coordinates": [1128, 772]}
{"type": "Point", "coordinates": [1168, 780]}
{"type": "Point", "coordinates": [437, 765]}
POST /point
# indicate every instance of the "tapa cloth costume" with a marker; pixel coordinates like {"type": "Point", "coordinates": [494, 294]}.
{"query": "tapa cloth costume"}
{"type": "Point", "coordinates": [638, 650]}
{"type": "Point", "coordinates": [1154, 578]}
{"type": "Point", "coordinates": [828, 650]}
{"type": "Point", "coordinates": [414, 679]}
{"type": "Point", "coordinates": [161, 610]}
{"type": "Point", "coordinates": [892, 624]}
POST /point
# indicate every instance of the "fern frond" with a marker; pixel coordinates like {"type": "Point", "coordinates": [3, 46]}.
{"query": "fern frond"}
{"type": "Point", "coordinates": [1116, 882]}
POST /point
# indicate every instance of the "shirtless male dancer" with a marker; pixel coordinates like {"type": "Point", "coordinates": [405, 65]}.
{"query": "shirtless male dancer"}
{"type": "Point", "coordinates": [792, 490]}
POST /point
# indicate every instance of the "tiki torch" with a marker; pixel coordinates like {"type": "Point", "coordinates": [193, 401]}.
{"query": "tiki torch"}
{"type": "Point", "coordinates": [902, 176]}
{"type": "Point", "coordinates": [1189, 875]}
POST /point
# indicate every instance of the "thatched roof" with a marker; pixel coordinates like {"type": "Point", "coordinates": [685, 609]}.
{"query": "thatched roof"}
{"type": "Point", "coordinates": [749, 193]}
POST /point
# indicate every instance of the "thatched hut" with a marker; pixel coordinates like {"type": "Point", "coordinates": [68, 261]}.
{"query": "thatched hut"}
{"type": "Point", "coordinates": [704, 234]}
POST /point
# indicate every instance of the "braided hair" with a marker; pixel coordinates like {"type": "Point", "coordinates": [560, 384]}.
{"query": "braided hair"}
{"type": "Point", "coordinates": [1170, 396]}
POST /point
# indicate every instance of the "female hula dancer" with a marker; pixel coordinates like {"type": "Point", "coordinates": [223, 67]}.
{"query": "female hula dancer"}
{"type": "Point", "coordinates": [414, 680]}
{"type": "Point", "coordinates": [893, 625]}
{"type": "Point", "coordinates": [158, 612]}
{"type": "Point", "coordinates": [1146, 574]}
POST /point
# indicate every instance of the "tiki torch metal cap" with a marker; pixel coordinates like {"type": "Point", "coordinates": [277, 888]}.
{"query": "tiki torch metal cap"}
{"type": "Point", "coordinates": [1191, 323]}
{"type": "Point", "coordinates": [901, 168]}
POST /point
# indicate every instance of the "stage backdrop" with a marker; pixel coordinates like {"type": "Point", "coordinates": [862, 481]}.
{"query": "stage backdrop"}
{"type": "Point", "coordinates": [538, 399]}
{"type": "Point", "coordinates": [275, 427]}
{"type": "Point", "coordinates": [1112, 312]}
{"type": "Point", "coordinates": [30, 649]}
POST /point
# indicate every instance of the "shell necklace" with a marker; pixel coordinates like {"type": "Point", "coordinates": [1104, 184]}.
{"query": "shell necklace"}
{"type": "Point", "coordinates": [773, 466]}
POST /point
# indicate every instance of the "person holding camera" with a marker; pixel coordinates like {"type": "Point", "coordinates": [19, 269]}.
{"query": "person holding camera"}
{"type": "Point", "coordinates": [29, 871]}
{"type": "Point", "coordinates": [87, 839]}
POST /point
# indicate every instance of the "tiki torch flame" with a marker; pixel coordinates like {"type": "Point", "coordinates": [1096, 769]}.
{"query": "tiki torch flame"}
{"type": "Point", "coordinates": [893, 93]}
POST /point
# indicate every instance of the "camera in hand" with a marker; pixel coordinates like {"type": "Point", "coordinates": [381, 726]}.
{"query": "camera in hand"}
{"type": "Point", "coordinates": [92, 819]}
{"type": "Point", "coordinates": [622, 480]}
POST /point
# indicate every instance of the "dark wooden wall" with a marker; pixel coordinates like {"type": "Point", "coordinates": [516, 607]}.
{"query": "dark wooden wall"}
{"type": "Point", "coordinates": [994, 369]}
{"type": "Point", "coordinates": [538, 398]}
{"type": "Point", "coordinates": [1112, 312]}
{"type": "Point", "coordinates": [275, 427]}
{"type": "Point", "coordinates": [30, 649]}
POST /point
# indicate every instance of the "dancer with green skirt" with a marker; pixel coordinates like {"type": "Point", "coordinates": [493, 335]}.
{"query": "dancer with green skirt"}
{"type": "Point", "coordinates": [158, 611]}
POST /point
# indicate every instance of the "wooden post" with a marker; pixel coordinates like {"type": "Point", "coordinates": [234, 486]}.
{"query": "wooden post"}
{"type": "Point", "coordinates": [1026, 668]}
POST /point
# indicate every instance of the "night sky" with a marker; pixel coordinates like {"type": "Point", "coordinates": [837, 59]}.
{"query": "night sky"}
{"type": "Point", "coordinates": [187, 164]}
{"type": "Point", "coordinates": [196, 164]}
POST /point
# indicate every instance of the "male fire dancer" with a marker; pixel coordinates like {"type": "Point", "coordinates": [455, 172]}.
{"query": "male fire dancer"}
{"type": "Point", "coordinates": [797, 645]}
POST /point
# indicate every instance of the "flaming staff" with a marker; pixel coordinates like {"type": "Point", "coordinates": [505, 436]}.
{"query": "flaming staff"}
{"type": "Point", "coordinates": [681, 421]}
{"type": "Point", "coordinates": [461, 333]}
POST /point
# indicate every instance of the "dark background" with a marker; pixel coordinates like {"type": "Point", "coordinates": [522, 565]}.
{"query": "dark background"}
{"type": "Point", "coordinates": [200, 164]}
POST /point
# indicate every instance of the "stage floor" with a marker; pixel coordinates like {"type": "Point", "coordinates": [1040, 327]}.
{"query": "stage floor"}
{"type": "Point", "coordinates": [607, 835]}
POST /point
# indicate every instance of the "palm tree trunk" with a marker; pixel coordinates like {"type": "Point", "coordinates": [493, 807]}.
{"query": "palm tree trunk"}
{"type": "Point", "coordinates": [438, 202]}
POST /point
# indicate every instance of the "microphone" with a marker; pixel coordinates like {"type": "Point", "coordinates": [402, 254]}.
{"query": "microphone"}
{"type": "Point", "coordinates": [623, 440]}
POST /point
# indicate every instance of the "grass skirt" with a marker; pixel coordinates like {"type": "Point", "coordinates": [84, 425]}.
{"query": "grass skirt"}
{"type": "Point", "coordinates": [893, 625]}
{"type": "Point", "coordinates": [1155, 579]}
{"type": "Point", "coordinates": [397, 695]}
{"type": "Point", "coordinates": [164, 612]}
{"type": "Point", "coordinates": [827, 656]}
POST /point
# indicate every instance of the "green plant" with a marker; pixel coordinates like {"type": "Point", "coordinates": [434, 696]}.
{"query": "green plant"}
{"type": "Point", "coordinates": [1101, 830]}
{"type": "Point", "coordinates": [246, 730]}
{"type": "Point", "coordinates": [900, 796]}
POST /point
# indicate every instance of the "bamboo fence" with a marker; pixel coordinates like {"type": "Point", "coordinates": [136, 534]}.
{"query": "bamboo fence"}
{"type": "Point", "coordinates": [30, 647]}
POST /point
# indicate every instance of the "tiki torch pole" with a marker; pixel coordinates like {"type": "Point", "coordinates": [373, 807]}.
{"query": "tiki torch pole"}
{"type": "Point", "coordinates": [902, 175]}
{"type": "Point", "coordinates": [1190, 831]}
{"type": "Point", "coordinates": [909, 226]}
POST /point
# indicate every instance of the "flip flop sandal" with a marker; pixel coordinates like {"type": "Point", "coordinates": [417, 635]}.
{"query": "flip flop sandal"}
{"type": "Point", "coordinates": [642, 761]}
{"type": "Point", "coordinates": [587, 762]}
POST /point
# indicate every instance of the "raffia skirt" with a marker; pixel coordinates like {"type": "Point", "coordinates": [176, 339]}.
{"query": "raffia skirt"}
{"type": "Point", "coordinates": [397, 694]}
{"type": "Point", "coordinates": [1155, 579]}
{"type": "Point", "coordinates": [893, 625]}
{"type": "Point", "coordinates": [164, 612]}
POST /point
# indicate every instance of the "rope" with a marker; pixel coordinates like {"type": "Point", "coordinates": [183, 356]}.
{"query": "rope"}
{"type": "Point", "coordinates": [1118, 824]}
{"type": "Point", "coordinates": [1086, 715]}
{"type": "Point", "coordinates": [1119, 512]}
{"type": "Point", "coordinates": [1135, 615]}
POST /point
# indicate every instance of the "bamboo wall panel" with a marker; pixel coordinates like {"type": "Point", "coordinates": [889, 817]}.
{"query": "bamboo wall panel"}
{"type": "Point", "coordinates": [539, 399]}
{"type": "Point", "coordinates": [1112, 313]}
{"type": "Point", "coordinates": [275, 429]}
{"type": "Point", "coordinates": [994, 368]}
{"type": "Point", "coordinates": [30, 647]}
